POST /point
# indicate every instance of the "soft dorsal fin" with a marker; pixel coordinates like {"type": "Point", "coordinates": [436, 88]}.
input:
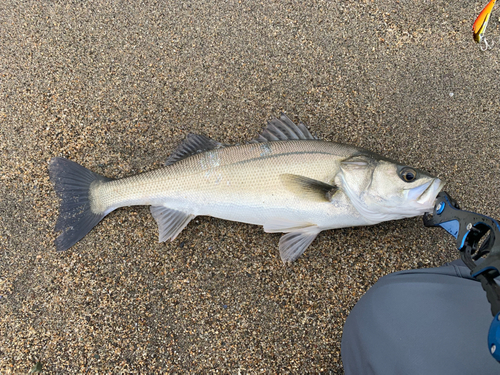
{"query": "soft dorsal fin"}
{"type": "Point", "coordinates": [284, 129]}
{"type": "Point", "coordinates": [193, 144]}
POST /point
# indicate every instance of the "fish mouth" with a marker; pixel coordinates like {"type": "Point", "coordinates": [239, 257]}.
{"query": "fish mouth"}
{"type": "Point", "coordinates": [425, 194]}
{"type": "Point", "coordinates": [430, 193]}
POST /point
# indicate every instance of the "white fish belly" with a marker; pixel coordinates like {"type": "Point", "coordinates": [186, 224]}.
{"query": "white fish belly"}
{"type": "Point", "coordinates": [338, 213]}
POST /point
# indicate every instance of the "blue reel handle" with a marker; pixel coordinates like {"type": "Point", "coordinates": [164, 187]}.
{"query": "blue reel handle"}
{"type": "Point", "coordinates": [494, 337]}
{"type": "Point", "coordinates": [469, 228]}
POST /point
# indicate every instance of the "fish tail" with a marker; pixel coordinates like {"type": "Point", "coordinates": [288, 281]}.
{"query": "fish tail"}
{"type": "Point", "coordinates": [72, 183]}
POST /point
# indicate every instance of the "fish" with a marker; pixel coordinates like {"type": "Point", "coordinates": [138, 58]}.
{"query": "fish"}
{"type": "Point", "coordinates": [286, 180]}
{"type": "Point", "coordinates": [481, 22]}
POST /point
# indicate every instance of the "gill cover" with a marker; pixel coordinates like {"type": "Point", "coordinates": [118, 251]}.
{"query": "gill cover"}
{"type": "Point", "coordinates": [382, 190]}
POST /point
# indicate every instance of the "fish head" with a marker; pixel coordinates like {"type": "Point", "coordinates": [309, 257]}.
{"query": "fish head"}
{"type": "Point", "coordinates": [382, 190]}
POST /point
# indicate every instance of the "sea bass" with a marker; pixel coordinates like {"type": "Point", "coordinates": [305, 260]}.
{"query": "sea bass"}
{"type": "Point", "coordinates": [286, 180]}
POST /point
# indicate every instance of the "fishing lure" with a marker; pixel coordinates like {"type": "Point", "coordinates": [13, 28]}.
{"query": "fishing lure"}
{"type": "Point", "coordinates": [479, 26]}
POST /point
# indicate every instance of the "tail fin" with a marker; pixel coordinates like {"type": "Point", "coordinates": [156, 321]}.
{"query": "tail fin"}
{"type": "Point", "coordinates": [72, 184]}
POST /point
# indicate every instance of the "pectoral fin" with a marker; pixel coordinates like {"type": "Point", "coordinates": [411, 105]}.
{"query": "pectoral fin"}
{"type": "Point", "coordinates": [308, 188]}
{"type": "Point", "coordinates": [292, 245]}
{"type": "Point", "coordinates": [170, 222]}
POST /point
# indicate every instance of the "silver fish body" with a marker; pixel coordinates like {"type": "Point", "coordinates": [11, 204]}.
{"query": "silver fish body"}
{"type": "Point", "coordinates": [286, 181]}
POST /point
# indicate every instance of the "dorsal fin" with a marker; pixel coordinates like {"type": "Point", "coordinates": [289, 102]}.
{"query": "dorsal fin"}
{"type": "Point", "coordinates": [193, 144]}
{"type": "Point", "coordinates": [284, 129]}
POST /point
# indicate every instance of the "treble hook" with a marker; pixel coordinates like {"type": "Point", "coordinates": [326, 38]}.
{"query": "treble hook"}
{"type": "Point", "coordinates": [487, 46]}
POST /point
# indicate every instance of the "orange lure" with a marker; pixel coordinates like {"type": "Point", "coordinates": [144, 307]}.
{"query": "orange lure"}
{"type": "Point", "coordinates": [479, 26]}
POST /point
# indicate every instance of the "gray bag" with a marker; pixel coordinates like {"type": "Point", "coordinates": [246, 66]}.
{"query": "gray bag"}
{"type": "Point", "coordinates": [425, 321]}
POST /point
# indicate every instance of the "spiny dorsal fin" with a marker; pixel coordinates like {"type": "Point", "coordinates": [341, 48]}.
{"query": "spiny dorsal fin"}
{"type": "Point", "coordinates": [308, 188]}
{"type": "Point", "coordinates": [284, 129]}
{"type": "Point", "coordinates": [193, 144]}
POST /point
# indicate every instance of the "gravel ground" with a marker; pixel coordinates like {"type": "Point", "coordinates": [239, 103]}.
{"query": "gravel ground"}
{"type": "Point", "coordinates": [116, 85]}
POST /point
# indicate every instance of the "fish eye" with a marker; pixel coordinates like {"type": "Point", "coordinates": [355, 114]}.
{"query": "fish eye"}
{"type": "Point", "coordinates": [408, 174]}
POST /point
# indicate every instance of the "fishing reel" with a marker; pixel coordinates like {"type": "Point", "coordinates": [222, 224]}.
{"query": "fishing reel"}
{"type": "Point", "coordinates": [476, 236]}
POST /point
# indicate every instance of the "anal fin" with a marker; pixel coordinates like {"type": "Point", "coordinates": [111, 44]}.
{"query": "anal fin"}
{"type": "Point", "coordinates": [170, 222]}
